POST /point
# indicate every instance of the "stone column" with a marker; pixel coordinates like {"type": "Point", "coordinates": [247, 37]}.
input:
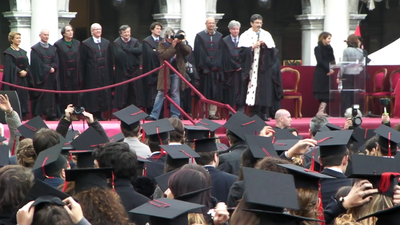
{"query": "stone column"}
{"type": "Point", "coordinates": [337, 23]}
{"type": "Point", "coordinates": [354, 20]}
{"type": "Point", "coordinates": [64, 18]}
{"type": "Point", "coordinates": [20, 21]}
{"type": "Point", "coordinates": [311, 26]}
{"type": "Point", "coordinates": [172, 20]}
{"type": "Point", "coordinates": [193, 18]}
{"type": "Point", "coordinates": [44, 15]}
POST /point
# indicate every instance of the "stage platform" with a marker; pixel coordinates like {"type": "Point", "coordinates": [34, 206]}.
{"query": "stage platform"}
{"type": "Point", "coordinates": [302, 125]}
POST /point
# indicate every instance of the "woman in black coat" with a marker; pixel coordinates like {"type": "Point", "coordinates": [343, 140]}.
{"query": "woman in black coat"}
{"type": "Point", "coordinates": [324, 55]}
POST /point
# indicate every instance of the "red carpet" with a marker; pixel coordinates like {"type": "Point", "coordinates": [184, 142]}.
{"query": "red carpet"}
{"type": "Point", "coordinates": [302, 125]}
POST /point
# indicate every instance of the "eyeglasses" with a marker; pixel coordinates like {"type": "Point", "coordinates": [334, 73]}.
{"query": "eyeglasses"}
{"type": "Point", "coordinates": [97, 29]}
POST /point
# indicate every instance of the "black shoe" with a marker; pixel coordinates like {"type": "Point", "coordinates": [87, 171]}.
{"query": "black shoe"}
{"type": "Point", "coordinates": [149, 118]}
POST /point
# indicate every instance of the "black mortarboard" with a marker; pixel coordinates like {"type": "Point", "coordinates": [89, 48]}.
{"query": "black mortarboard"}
{"type": "Point", "coordinates": [117, 138]}
{"type": "Point", "coordinates": [50, 160]}
{"type": "Point", "coordinates": [260, 146]}
{"type": "Point", "coordinates": [389, 216]}
{"type": "Point", "coordinates": [258, 120]}
{"type": "Point", "coordinates": [209, 124]}
{"type": "Point", "coordinates": [4, 155]}
{"type": "Point", "coordinates": [166, 211]}
{"type": "Point", "coordinates": [284, 134]}
{"type": "Point", "coordinates": [88, 140]}
{"type": "Point", "coordinates": [162, 180]}
{"type": "Point", "coordinates": [305, 178]}
{"type": "Point", "coordinates": [66, 146]}
{"type": "Point", "coordinates": [314, 153]}
{"type": "Point", "coordinates": [84, 158]}
{"type": "Point", "coordinates": [330, 127]}
{"type": "Point", "coordinates": [222, 147]}
{"type": "Point", "coordinates": [29, 129]}
{"type": "Point", "coordinates": [361, 136]}
{"type": "Point", "coordinates": [206, 145]}
{"type": "Point", "coordinates": [141, 163]}
{"type": "Point", "coordinates": [38, 189]}
{"type": "Point", "coordinates": [193, 133]}
{"type": "Point", "coordinates": [71, 135]}
{"type": "Point", "coordinates": [178, 155]}
{"type": "Point", "coordinates": [333, 142]}
{"type": "Point", "coordinates": [193, 197]}
{"type": "Point", "coordinates": [240, 124]}
{"type": "Point", "coordinates": [159, 128]}
{"type": "Point", "coordinates": [284, 145]}
{"type": "Point", "coordinates": [269, 190]}
{"type": "Point", "coordinates": [48, 199]}
{"type": "Point", "coordinates": [130, 117]}
{"type": "Point", "coordinates": [388, 139]}
{"type": "Point", "coordinates": [86, 179]}
{"type": "Point", "coordinates": [2, 138]}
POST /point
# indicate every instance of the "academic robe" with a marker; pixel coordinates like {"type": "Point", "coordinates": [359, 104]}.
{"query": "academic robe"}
{"type": "Point", "coordinates": [234, 88]}
{"type": "Point", "coordinates": [127, 66]}
{"type": "Point", "coordinates": [230, 162]}
{"type": "Point", "coordinates": [155, 167]}
{"type": "Point", "coordinates": [208, 56]}
{"type": "Point", "coordinates": [97, 69]}
{"type": "Point", "coordinates": [329, 187]}
{"type": "Point", "coordinates": [42, 60]}
{"type": "Point", "coordinates": [150, 61]}
{"type": "Point", "coordinates": [70, 74]}
{"type": "Point", "coordinates": [15, 61]}
{"type": "Point", "coordinates": [221, 183]}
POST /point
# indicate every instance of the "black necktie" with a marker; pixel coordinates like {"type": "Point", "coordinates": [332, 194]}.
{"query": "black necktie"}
{"type": "Point", "coordinates": [98, 45]}
{"type": "Point", "coordinates": [235, 42]}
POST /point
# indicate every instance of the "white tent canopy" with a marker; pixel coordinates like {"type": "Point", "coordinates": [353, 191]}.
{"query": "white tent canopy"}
{"type": "Point", "coordinates": [388, 55]}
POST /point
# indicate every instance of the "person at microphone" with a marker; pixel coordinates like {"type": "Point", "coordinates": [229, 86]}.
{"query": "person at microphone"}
{"type": "Point", "coordinates": [260, 70]}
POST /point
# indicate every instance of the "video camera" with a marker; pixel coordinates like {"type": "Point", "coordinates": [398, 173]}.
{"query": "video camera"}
{"type": "Point", "coordinates": [177, 36]}
{"type": "Point", "coordinates": [355, 118]}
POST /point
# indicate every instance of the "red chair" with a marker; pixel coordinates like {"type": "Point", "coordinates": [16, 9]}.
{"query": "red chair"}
{"type": "Point", "coordinates": [394, 78]}
{"type": "Point", "coordinates": [290, 83]}
{"type": "Point", "coordinates": [378, 82]}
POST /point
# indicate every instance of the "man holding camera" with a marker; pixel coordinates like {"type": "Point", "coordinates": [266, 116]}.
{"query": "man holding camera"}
{"type": "Point", "coordinates": [173, 49]}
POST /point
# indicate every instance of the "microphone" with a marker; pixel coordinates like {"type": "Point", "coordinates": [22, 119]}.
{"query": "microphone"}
{"type": "Point", "coordinates": [258, 35]}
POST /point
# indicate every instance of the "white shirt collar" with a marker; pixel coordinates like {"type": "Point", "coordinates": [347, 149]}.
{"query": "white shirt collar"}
{"type": "Point", "coordinates": [335, 169]}
{"type": "Point", "coordinates": [96, 40]}
{"type": "Point", "coordinates": [233, 38]}
{"type": "Point", "coordinates": [155, 38]}
{"type": "Point", "coordinates": [124, 40]}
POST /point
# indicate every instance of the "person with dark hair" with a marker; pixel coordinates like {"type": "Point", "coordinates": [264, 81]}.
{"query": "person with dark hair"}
{"type": "Point", "coordinates": [324, 55]}
{"type": "Point", "coordinates": [15, 182]}
{"type": "Point", "coordinates": [176, 136]}
{"type": "Point", "coordinates": [26, 155]}
{"type": "Point", "coordinates": [45, 72]}
{"type": "Point", "coordinates": [127, 53]}
{"type": "Point", "coordinates": [97, 67]}
{"type": "Point", "coordinates": [260, 69]}
{"type": "Point", "coordinates": [150, 59]}
{"type": "Point", "coordinates": [70, 74]}
{"type": "Point", "coordinates": [17, 71]}
{"type": "Point", "coordinates": [44, 139]}
{"type": "Point", "coordinates": [118, 156]}
{"type": "Point", "coordinates": [208, 55]}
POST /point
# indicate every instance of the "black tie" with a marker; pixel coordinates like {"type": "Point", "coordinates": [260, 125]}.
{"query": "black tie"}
{"type": "Point", "coordinates": [98, 45]}
{"type": "Point", "coordinates": [235, 42]}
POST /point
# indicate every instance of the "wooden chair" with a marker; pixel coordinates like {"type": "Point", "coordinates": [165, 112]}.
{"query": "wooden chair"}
{"type": "Point", "coordinates": [378, 82]}
{"type": "Point", "coordinates": [394, 78]}
{"type": "Point", "coordinates": [290, 83]}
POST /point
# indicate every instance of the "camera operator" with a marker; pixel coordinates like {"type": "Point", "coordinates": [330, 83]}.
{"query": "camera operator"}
{"type": "Point", "coordinates": [353, 118]}
{"type": "Point", "coordinates": [174, 50]}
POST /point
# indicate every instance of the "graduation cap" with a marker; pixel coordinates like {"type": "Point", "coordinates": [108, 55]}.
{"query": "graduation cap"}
{"type": "Point", "coordinates": [193, 197]}
{"type": "Point", "coordinates": [50, 161]}
{"type": "Point", "coordinates": [29, 129]}
{"type": "Point", "coordinates": [378, 170]}
{"type": "Point", "coordinates": [142, 165]}
{"type": "Point", "coordinates": [130, 117]}
{"type": "Point", "coordinates": [389, 216]}
{"type": "Point", "coordinates": [388, 139]}
{"type": "Point", "coordinates": [39, 189]}
{"type": "Point", "coordinates": [305, 178]}
{"type": "Point", "coordinates": [117, 138]}
{"type": "Point", "coordinates": [178, 155]}
{"type": "Point", "coordinates": [84, 158]}
{"type": "Point", "coordinates": [259, 121]}
{"type": "Point", "coordinates": [86, 179]}
{"type": "Point", "coordinates": [211, 125]}
{"type": "Point", "coordinates": [71, 134]}
{"type": "Point", "coordinates": [333, 142]}
{"type": "Point", "coordinates": [206, 145]}
{"type": "Point", "coordinates": [222, 147]}
{"type": "Point", "coordinates": [196, 132]}
{"type": "Point", "coordinates": [88, 140]}
{"type": "Point", "coordinates": [284, 134]}
{"type": "Point", "coordinates": [240, 124]}
{"type": "Point", "coordinates": [362, 135]}
{"type": "Point", "coordinates": [260, 147]}
{"type": "Point", "coordinates": [162, 180]}
{"type": "Point", "coordinates": [2, 138]}
{"type": "Point", "coordinates": [4, 155]}
{"type": "Point", "coordinates": [330, 127]}
{"type": "Point", "coordinates": [313, 154]}
{"type": "Point", "coordinates": [284, 145]}
{"type": "Point", "coordinates": [166, 211]}
{"type": "Point", "coordinates": [159, 129]}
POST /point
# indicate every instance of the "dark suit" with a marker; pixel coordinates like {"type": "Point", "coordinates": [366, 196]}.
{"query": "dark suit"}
{"type": "Point", "coordinates": [230, 162]}
{"type": "Point", "coordinates": [131, 199]}
{"type": "Point", "coordinates": [329, 187]}
{"type": "Point", "coordinates": [235, 194]}
{"type": "Point", "coordinates": [221, 183]}
{"type": "Point", "coordinates": [155, 168]}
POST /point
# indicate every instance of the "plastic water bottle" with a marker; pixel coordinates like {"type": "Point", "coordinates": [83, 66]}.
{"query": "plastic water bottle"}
{"type": "Point", "coordinates": [340, 86]}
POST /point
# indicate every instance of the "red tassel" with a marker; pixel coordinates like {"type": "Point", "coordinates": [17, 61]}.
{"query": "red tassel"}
{"type": "Point", "coordinates": [13, 148]}
{"type": "Point", "coordinates": [143, 136]}
{"type": "Point", "coordinates": [145, 170]}
{"type": "Point", "coordinates": [320, 208]}
{"type": "Point", "coordinates": [312, 168]}
{"type": "Point", "coordinates": [384, 183]}
{"type": "Point", "coordinates": [112, 182]}
{"type": "Point", "coordinates": [44, 171]}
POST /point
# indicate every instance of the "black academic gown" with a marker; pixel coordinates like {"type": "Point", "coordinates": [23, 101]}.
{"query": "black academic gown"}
{"type": "Point", "coordinates": [15, 61]}
{"type": "Point", "coordinates": [155, 167]}
{"type": "Point", "coordinates": [329, 187]}
{"type": "Point", "coordinates": [208, 56]}
{"type": "Point", "coordinates": [230, 162]}
{"type": "Point", "coordinates": [42, 60]}
{"type": "Point", "coordinates": [269, 82]}
{"type": "Point", "coordinates": [127, 66]}
{"type": "Point", "coordinates": [235, 194]}
{"type": "Point", "coordinates": [150, 61]}
{"type": "Point", "coordinates": [234, 87]}
{"type": "Point", "coordinates": [131, 199]}
{"type": "Point", "coordinates": [69, 71]}
{"type": "Point", "coordinates": [221, 183]}
{"type": "Point", "coordinates": [97, 69]}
